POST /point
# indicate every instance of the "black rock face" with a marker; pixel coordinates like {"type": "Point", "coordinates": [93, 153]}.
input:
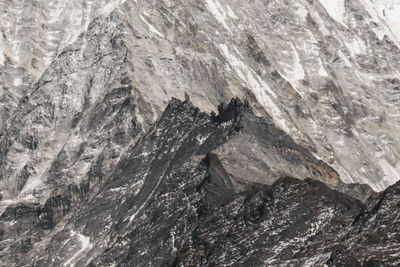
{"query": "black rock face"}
{"type": "Point", "coordinates": [171, 201]}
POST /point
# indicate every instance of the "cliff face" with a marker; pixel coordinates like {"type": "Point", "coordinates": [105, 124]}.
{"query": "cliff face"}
{"type": "Point", "coordinates": [284, 115]}
{"type": "Point", "coordinates": [171, 201]}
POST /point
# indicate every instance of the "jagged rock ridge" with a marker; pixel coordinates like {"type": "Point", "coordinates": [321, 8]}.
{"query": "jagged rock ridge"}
{"type": "Point", "coordinates": [314, 68]}
{"type": "Point", "coordinates": [170, 201]}
{"type": "Point", "coordinates": [94, 156]}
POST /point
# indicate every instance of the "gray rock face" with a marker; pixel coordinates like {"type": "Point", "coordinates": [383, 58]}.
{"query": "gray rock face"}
{"type": "Point", "coordinates": [99, 167]}
{"type": "Point", "coordinates": [317, 73]}
{"type": "Point", "coordinates": [170, 201]}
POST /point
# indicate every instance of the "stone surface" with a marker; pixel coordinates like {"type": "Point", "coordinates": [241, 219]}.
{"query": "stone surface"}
{"type": "Point", "coordinates": [171, 201]}
{"type": "Point", "coordinates": [178, 132]}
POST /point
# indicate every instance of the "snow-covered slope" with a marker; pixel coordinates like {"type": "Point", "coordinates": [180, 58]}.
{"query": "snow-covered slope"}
{"type": "Point", "coordinates": [32, 34]}
{"type": "Point", "coordinates": [389, 10]}
{"type": "Point", "coordinates": [327, 72]}
{"type": "Point", "coordinates": [93, 150]}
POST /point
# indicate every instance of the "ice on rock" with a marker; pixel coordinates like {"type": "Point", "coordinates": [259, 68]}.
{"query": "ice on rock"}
{"type": "Point", "coordinates": [261, 90]}
{"type": "Point", "coordinates": [90, 140]}
{"type": "Point", "coordinates": [151, 27]}
{"type": "Point", "coordinates": [390, 11]}
{"type": "Point", "coordinates": [391, 173]}
{"type": "Point", "coordinates": [336, 9]}
{"type": "Point", "coordinates": [219, 13]}
{"type": "Point", "coordinates": [84, 243]}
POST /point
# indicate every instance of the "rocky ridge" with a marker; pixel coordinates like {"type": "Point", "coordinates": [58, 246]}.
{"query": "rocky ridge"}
{"type": "Point", "coordinates": [314, 73]}
{"type": "Point", "coordinates": [98, 166]}
{"type": "Point", "coordinates": [170, 201]}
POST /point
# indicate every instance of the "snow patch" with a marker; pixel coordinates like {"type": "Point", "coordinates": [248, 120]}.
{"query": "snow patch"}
{"type": "Point", "coordinates": [151, 27]}
{"type": "Point", "coordinates": [392, 174]}
{"type": "Point", "coordinates": [110, 7]}
{"type": "Point", "coordinates": [320, 22]}
{"type": "Point", "coordinates": [387, 20]}
{"type": "Point", "coordinates": [244, 72]}
{"type": "Point", "coordinates": [301, 11]}
{"type": "Point", "coordinates": [260, 89]}
{"type": "Point", "coordinates": [30, 185]}
{"type": "Point", "coordinates": [219, 13]}
{"type": "Point", "coordinates": [344, 58]}
{"type": "Point", "coordinates": [201, 139]}
{"type": "Point", "coordinates": [335, 9]}
{"type": "Point", "coordinates": [294, 71]}
{"type": "Point", "coordinates": [356, 47]}
{"type": "Point", "coordinates": [2, 57]}
{"type": "Point", "coordinates": [17, 82]}
{"type": "Point", "coordinates": [322, 71]}
{"type": "Point", "coordinates": [85, 245]}
{"type": "Point", "coordinates": [230, 12]}
{"type": "Point", "coordinates": [298, 71]}
{"type": "Point", "coordinates": [117, 189]}
{"type": "Point", "coordinates": [133, 216]}
{"type": "Point", "coordinates": [390, 11]}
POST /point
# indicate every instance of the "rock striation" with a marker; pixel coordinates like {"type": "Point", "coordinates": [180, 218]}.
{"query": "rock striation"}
{"type": "Point", "coordinates": [171, 201]}
{"type": "Point", "coordinates": [199, 133]}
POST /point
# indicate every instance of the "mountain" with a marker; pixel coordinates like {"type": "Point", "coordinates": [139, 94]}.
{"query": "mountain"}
{"type": "Point", "coordinates": [215, 132]}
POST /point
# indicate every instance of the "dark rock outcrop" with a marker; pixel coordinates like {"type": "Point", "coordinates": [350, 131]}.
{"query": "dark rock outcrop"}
{"type": "Point", "coordinates": [170, 201]}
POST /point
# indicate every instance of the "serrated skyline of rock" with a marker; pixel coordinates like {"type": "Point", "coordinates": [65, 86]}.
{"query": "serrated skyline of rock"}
{"type": "Point", "coordinates": [87, 87]}
{"type": "Point", "coordinates": [283, 60]}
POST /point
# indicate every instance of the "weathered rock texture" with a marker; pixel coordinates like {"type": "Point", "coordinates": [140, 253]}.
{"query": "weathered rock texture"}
{"type": "Point", "coordinates": [170, 201]}
{"type": "Point", "coordinates": [177, 132]}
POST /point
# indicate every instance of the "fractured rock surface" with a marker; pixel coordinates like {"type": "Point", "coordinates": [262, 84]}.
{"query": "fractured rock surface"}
{"type": "Point", "coordinates": [171, 201]}
{"type": "Point", "coordinates": [213, 132]}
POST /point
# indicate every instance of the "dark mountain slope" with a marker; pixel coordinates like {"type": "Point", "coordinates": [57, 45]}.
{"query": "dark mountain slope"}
{"type": "Point", "coordinates": [171, 201]}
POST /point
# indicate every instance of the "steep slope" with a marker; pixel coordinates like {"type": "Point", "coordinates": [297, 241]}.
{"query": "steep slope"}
{"type": "Point", "coordinates": [32, 34]}
{"type": "Point", "coordinates": [293, 60]}
{"type": "Point", "coordinates": [327, 74]}
{"type": "Point", "coordinates": [99, 166]}
{"type": "Point", "coordinates": [168, 199]}
{"type": "Point", "coordinates": [389, 11]}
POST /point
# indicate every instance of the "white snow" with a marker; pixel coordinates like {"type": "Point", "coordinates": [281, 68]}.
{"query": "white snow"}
{"type": "Point", "coordinates": [335, 9]}
{"type": "Point", "coordinates": [387, 20]}
{"type": "Point", "coordinates": [56, 8]}
{"type": "Point", "coordinates": [346, 61]}
{"type": "Point", "coordinates": [244, 72]}
{"type": "Point", "coordinates": [17, 82]}
{"type": "Point", "coordinates": [356, 47]}
{"type": "Point", "coordinates": [390, 11]}
{"type": "Point", "coordinates": [174, 249]}
{"type": "Point", "coordinates": [260, 89]}
{"type": "Point", "coordinates": [31, 184]}
{"type": "Point", "coordinates": [2, 57]}
{"type": "Point", "coordinates": [230, 12]}
{"type": "Point", "coordinates": [151, 27]}
{"type": "Point", "coordinates": [298, 70]}
{"type": "Point", "coordinates": [301, 11]}
{"type": "Point", "coordinates": [110, 7]}
{"type": "Point", "coordinates": [320, 22]}
{"type": "Point", "coordinates": [132, 217]}
{"type": "Point", "coordinates": [392, 174]}
{"type": "Point", "coordinates": [219, 13]}
{"type": "Point", "coordinates": [85, 245]}
{"type": "Point", "coordinates": [54, 145]}
{"type": "Point", "coordinates": [322, 71]}
{"type": "Point", "coordinates": [202, 139]}
{"type": "Point", "coordinates": [341, 141]}
{"type": "Point", "coordinates": [294, 71]}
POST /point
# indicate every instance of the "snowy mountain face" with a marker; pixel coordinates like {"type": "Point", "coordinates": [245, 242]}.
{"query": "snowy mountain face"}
{"type": "Point", "coordinates": [213, 132]}
{"type": "Point", "coordinates": [389, 10]}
